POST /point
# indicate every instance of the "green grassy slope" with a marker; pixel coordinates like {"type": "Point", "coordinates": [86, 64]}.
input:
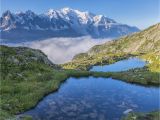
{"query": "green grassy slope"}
{"type": "Point", "coordinates": [141, 43]}
{"type": "Point", "coordinates": [145, 41]}
{"type": "Point", "coordinates": [25, 76]}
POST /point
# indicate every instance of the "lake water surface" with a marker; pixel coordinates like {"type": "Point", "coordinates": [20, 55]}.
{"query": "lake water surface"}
{"type": "Point", "coordinates": [121, 65]}
{"type": "Point", "coordinates": [96, 99]}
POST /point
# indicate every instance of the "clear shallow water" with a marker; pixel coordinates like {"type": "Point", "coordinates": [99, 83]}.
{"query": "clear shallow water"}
{"type": "Point", "coordinates": [121, 65]}
{"type": "Point", "coordinates": [98, 98]}
{"type": "Point", "coordinates": [95, 99]}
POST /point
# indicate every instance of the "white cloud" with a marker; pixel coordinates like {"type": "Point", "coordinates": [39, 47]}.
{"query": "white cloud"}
{"type": "Point", "coordinates": [61, 50]}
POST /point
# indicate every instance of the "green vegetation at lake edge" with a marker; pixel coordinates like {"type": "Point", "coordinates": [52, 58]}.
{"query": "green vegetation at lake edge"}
{"type": "Point", "coordinates": [143, 116]}
{"type": "Point", "coordinates": [85, 63]}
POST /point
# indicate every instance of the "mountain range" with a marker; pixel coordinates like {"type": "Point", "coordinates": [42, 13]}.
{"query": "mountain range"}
{"type": "Point", "coordinates": [65, 22]}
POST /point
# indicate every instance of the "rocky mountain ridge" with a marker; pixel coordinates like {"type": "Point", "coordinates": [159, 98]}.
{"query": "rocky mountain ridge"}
{"type": "Point", "coordinates": [65, 22]}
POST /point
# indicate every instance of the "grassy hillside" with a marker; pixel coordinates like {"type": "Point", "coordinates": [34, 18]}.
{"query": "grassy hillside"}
{"type": "Point", "coordinates": [22, 76]}
{"type": "Point", "coordinates": [26, 76]}
{"type": "Point", "coordinates": [144, 43]}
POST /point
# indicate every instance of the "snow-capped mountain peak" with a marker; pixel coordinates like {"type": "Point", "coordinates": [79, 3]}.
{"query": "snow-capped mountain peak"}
{"type": "Point", "coordinates": [102, 20]}
{"type": "Point", "coordinates": [64, 22]}
{"type": "Point", "coordinates": [52, 13]}
{"type": "Point", "coordinates": [66, 9]}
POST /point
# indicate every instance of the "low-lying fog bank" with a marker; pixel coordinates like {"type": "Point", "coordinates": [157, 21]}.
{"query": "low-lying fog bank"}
{"type": "Point", "coordinates": [61, 50]}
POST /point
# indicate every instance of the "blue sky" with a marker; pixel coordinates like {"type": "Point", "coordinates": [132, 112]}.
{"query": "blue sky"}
{"type": "Point", "coordinates": [140, 13]}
